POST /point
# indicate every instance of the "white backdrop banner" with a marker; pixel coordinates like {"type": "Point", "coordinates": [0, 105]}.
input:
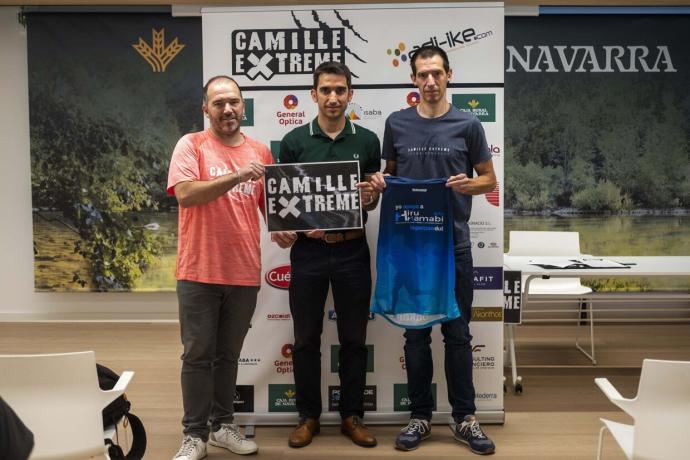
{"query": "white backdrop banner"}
{"type": "Point", "coordinates": [272, 52]}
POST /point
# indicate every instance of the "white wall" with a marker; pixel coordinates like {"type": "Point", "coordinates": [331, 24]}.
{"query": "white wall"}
{"type": "Point", "coordinates": [18, 301]}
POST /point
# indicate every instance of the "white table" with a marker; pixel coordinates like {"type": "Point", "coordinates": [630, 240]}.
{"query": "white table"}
{"type": "Point", "coordinates": [648, 266]}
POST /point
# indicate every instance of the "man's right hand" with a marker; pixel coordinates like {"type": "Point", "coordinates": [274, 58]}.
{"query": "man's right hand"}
{"type": "Point", "coordinates": [284, 239]}
{"type": "Point", "coordinates": [252, 171]}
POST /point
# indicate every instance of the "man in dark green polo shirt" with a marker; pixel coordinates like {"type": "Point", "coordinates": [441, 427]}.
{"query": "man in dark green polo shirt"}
{"type": "Point", "coordinates": [340, 259]}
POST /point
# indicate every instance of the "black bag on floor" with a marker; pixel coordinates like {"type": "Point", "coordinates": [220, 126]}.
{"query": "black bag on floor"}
{"type": "Point", "coordinates": [112, 414]}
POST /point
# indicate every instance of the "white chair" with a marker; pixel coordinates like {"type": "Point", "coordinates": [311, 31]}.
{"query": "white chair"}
{"type": "Point", "coordinates": [58, 399]}
{"type": "Point", "coordinates": [661, 411]}
{"type": "Point", "coordinates": [540, 244]}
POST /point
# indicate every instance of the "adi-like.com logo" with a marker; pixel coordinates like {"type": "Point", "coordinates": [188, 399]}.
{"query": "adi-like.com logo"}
{"type": "Point", "coordinates": [290, 102]}
{"type": "Point", "coordinates": [481, 105]}
{"type": "Point", "coordinates": [279, 277]}
{"type": "Point", "coordinates": [398, 54]}
{"type": "Point", "coordinates": [413, 98]}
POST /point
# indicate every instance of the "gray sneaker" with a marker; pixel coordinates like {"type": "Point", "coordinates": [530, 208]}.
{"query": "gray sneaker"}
{"type": "Point", "coordinates": [191, 449]}
{"type": "Point", "coordinates": [229, 437]}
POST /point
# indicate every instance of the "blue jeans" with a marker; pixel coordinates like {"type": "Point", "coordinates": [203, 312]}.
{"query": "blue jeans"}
{"type": "Point", "coordinates": [458, 353]}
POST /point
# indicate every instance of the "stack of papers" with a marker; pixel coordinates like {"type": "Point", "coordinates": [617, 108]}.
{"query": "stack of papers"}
{"type": "Point", "coordinates": [577, 262]}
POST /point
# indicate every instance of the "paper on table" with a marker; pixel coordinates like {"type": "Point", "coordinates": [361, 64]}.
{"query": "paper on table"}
{"type": "Point", "coordinates": [600, 263]}
{"type": "Point", "coordinates": [555, 263]}
{"type": "Point", "coordinates": [577, 262]}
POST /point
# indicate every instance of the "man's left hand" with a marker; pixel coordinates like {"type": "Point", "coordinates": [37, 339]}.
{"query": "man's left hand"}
{"type": "Point", "coordinates": [460, 184]}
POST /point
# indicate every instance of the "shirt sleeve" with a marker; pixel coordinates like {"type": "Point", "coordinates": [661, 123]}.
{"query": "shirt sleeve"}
{"type": "Point", "coordinates": [184, 164]}
{"type": "Point", "coordinates": [388, 152]}
{"type": "Point", "coordinates": [477, 145]}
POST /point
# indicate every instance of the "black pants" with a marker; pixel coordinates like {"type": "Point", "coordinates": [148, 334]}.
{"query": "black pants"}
{"type": "Point", "coordinates": [345, 266]}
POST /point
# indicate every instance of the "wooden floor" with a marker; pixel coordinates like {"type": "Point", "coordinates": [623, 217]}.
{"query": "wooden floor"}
{"type": "Point", "coordinates": [555, 418]}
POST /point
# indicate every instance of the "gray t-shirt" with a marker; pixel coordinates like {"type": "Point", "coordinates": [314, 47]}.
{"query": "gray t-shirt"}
{"type": "Point", "coordinates": [431, 148]}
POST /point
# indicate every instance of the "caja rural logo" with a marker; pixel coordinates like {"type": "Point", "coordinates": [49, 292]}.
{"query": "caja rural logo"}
{"type": "Point", "coordinates": [293, 51]}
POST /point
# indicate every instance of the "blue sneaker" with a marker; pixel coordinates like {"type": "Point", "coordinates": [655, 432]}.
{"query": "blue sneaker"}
{"type": "Point", "coordinates": [469, 432]}
{"type": "Point", "coordinates": [415, 432]}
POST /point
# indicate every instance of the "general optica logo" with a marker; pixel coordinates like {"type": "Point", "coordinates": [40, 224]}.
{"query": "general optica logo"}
{"type": "Point", "coordinates": [279, 277]}
{"type": "Point", "coordinates": [290, 102]}
{"type": "Point", "coordinates": [286, 351]}
{"type": "Point", "coordinates": [412, 98]}
{"type": "Point", "coordinates": [398, 54]}
{"type": "Point", "coordinates": [493, 197]}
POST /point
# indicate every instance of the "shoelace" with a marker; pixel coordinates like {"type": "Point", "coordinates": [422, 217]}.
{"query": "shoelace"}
{"type": "Point", "coordinates": [188, 446]}
{"type": "Point", "coordinates": [230, 430]}
{"type": "Point", "coordinates": [475, 429]}
{"type": "Point", "coordinates": [414, 425]}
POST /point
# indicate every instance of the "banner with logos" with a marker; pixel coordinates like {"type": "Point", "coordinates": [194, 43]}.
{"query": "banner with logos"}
{"type": "Point", "coordinates": [272, 52]}
{"type": "Point", "coordinates": [309, 196]}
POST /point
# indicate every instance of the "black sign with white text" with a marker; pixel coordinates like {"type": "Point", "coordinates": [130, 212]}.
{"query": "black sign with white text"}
{"type": "Point", "coordinates": [512, 297]}
{"type": "Point", "coordinates": [309, 196]}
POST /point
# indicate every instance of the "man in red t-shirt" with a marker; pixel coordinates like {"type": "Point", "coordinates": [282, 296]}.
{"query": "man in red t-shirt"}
{"type": "Point", "coordinates": [217, 177]}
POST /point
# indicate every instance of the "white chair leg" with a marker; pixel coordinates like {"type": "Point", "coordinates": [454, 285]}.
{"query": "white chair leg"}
{"type": "Point", "coordinates": [590, 318]}
{"type": "Point", "coordinates": [601, 438]}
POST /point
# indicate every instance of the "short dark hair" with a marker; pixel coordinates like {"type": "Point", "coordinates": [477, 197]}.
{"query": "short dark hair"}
{"type": "Point", "coordinates": [332, 67]}
{"type": "Point", "coordinates": [218, 77]}
{"type": "Point", "coordinates": [428, 51]}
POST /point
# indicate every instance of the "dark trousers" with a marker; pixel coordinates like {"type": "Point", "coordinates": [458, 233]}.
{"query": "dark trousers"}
{"type": "Point", "coordinates": [458, 353]}
{"type": "Point", "coordinates": [345, 266]}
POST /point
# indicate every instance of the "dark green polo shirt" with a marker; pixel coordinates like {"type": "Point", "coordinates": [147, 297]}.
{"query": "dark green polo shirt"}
{"type": "Point", "coordinates": [309, 144]}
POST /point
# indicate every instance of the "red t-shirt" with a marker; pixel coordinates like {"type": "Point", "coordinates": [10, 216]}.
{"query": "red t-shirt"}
{"type": "Point", "coordinates": [218, 242]}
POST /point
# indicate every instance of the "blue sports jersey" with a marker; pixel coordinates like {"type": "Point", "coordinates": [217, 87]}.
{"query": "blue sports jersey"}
{"type": "Point", "coordinates": [415, 281]}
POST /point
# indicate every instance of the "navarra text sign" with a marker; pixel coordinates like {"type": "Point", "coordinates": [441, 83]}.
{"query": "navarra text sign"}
{"type": "Point", "coordinates": [309, 196]}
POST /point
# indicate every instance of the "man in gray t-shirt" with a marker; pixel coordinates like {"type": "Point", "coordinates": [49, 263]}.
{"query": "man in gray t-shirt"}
{"type": "Point", "coordinates": [433, 140]}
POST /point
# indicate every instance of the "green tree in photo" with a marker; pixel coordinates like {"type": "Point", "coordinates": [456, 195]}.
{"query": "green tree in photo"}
{"type": "Point", "coordinates": [95, 176]}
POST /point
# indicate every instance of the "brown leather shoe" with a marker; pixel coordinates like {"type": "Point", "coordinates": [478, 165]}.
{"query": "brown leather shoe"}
{"type": "Point", "coordinates": [355, 429]}
{"type": "Point", "coordinates": [304, 433]}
